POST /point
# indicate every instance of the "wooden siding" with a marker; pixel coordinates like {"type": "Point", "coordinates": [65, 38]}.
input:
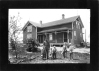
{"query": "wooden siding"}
{"type": "Point", "coordinates": [25, 33]}
{"type": "Point", "coordinates": [77, 39]}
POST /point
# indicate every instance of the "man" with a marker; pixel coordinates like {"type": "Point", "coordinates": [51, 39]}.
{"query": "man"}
{"type": "Point", "coordinates": [47, 46]}
{"type": "Point", "coordinates": [64, 50]}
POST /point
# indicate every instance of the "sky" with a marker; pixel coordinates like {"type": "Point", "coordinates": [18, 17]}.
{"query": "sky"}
{"type": "Point", "coordinates": [49, 15]}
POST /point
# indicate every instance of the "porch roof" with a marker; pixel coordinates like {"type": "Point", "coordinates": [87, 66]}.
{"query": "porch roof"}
{"type": "Point", "coordinates": [57, 29]}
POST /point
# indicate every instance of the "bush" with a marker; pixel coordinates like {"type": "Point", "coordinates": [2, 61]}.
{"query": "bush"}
{"type": "Point", "coordinates": [32, 44]}
{"type": "Point", "coordinates": [12, 44]}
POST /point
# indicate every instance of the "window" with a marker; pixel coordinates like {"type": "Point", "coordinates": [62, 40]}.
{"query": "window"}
{"type": "Point", "coordinates": [81, 35]}
{"type": "Point", "coordinates": [50, 36]}
{"type": "Point", "coordinates": [74, 33]}
{"type": "Point", "coordinates": [76, 24]}
{"type": "Point", "coordinates": [29, 36]}
{"type": "Point", "coordinates": [29, 28]}
{"type": "Point", "coordinates": [79, 25]}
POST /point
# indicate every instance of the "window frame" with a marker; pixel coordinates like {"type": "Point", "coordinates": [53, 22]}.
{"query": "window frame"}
{"type": "Point", "coordinates": [50, 36]}
{"type": "Point", "coordinates": [29, 28]}
{"type": "Point", "coordinates": [28, 36]}
{"type": "Point", "coordinates": [74, 33]}
{"type": "Point", "coordinates": [81, 35]}
{"type": "Point", "coordinates": [76, 24]}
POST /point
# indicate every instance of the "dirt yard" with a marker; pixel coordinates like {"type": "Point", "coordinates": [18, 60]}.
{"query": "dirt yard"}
{"type": "Point", "coordinates": [32, 58]}
{"type": "Point", "coordinates": [77, 58]}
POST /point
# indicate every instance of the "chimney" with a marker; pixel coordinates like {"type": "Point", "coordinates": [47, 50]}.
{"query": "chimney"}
{"type": "Point", "coordinates": [63, 16]}
{"type": "Point", "coordinates": [41, 22]}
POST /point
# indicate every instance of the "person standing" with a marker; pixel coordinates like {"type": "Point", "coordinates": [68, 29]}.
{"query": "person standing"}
{"type": "Point", "coordinates": [43, 53]}
{"type": "Point", "coordinates": [54, 52]}
{"type": "Point", "coordinates": [71, 48]}
{"type": "Point", "coordinates": [47, 46]}
{"type": "Point", "coordinates": [65, 50]}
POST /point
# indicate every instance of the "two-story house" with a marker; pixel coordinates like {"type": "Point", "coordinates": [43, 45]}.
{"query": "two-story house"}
{"type": "Point", "coordinates": [64, 30]}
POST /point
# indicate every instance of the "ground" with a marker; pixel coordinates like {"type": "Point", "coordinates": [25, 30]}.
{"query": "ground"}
{"type": "Point", "coordinates": [31, 58]}
{"type": "Point", "coordinates": [60, 59]}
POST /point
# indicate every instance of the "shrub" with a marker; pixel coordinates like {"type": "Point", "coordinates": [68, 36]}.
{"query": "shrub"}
{"type": "Point", "coordinates": [32, 44]}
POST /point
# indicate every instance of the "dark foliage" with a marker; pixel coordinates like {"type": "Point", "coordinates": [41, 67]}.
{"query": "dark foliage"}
{"type": "Point", "coordinates": [12, 44]}
{"type": "Point", "coordinates": [32, 45]}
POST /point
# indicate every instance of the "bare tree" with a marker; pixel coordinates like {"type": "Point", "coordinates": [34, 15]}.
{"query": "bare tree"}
{"type": "Point", "coordinates": [14, 31]}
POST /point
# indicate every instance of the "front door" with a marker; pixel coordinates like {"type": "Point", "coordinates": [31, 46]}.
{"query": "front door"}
{"type": "Point", "coordinates": [40, 38]}
{"type": "Point", "coordinates": [60, 37]}
{"type": "Point", "coordinates": [65, 36]}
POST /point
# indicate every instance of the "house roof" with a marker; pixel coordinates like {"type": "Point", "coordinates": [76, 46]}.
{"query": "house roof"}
{"type": "Point", "coordinates": [57, 29]}
{"type": "Point", "coordinates": [33, 23]}
{"type": "Point", "coordinates": [62, 21]}
{"type": "Point", "coordinates": [58, 22]}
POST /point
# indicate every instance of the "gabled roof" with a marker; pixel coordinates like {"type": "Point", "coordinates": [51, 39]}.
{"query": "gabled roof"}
{"type": "Point", "coordinates": [33, 23]}
{"type": "Point", "coordinates": [58, 22]}
{"type": "Point", "coordinates": [62, 21]}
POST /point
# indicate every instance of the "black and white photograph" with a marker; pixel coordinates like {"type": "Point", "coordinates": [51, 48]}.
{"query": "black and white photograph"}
{"type": "Point", "coordinates": [48, 36]}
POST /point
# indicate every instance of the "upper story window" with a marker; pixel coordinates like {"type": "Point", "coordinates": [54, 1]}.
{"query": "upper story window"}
{"type": "Point", "coordinates": [29, 28]}
{"type": "Point", "coordinates": [29, 36]}
{"type": "Point", "coordinates": [76, 24]}
{"type": "Point", "coordinates": [79, 25]}
{"type": "Point", "coordinates": [50, 36]}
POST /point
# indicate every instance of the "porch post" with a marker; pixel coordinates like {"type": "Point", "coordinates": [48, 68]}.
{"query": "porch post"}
{"type": "Point", "coordinates": [45, 36]}
{"type": "Point", "coordinates": [36, 33]}
{"type": "Point", "coordinates": [55, 37]}
{"type": "Point", "coordinates": [68, 36]}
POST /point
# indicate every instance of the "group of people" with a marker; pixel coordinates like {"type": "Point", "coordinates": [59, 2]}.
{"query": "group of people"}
{"type": "Point", "coordinates": [48, 52]}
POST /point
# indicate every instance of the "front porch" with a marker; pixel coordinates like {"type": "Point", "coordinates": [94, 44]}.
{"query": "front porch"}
{"type": "Point", "coordinates": [59, 36]}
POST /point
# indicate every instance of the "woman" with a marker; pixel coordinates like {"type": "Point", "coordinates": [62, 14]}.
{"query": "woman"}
{"type": "Point", "coordinates": [71, 48]}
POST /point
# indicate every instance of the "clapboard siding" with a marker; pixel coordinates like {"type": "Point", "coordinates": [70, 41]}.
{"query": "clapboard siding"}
{"type": "Point", "coordinates": [25, 33]}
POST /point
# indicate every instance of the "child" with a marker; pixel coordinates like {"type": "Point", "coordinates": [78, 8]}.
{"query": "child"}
{"type": "Point", "coordinates": [50, 53]}
{"type": "Point", "coordinates": [54, 52]}
{"type": "Point", "coordinates": [43, 53]}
